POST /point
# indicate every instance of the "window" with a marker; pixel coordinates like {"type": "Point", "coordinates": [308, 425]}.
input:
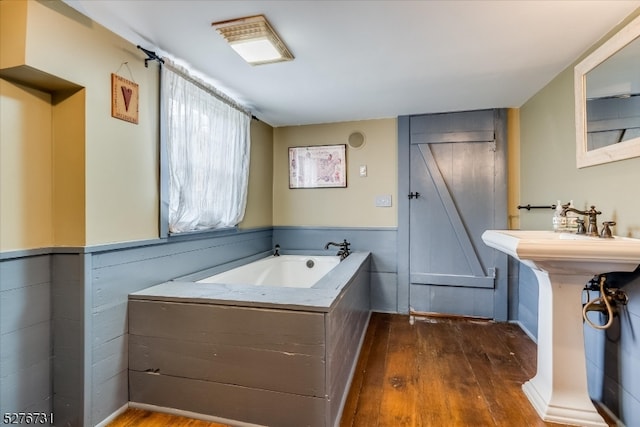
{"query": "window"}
{"type": "Point", "coordinates": [207, 143]}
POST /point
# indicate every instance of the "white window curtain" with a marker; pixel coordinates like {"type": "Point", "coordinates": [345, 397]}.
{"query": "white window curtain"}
{"type": "Point", "coordinates": [208, 145]}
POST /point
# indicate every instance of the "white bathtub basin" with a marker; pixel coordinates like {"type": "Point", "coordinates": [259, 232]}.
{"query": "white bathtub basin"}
{"type": "Point", "coordinates": [563, 263]}
{"type": "Point", "coordinates": [288, 271]}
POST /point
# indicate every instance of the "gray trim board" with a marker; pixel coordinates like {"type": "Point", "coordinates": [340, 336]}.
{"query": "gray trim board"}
{"type": "Point", "coordinates": [501, 296]}
{"type": "Point", "coordinates": [404, 169]}
{"type": "Point", "coordinates": [176, 238]}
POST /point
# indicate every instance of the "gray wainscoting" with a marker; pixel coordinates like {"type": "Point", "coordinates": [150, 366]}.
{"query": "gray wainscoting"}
{"type": "Point", "coordinates": [63, 319]}
{"type": "Point", "coordinates": [527, 302]}
{"type": "Point", "coordinates": [90, 291]}
{"type": "Point", "coordinates": [613, 355]}
{"type": "Point", "coordinates": [25, 334]}
{"type": "Point", "coordinates": [381, 242]}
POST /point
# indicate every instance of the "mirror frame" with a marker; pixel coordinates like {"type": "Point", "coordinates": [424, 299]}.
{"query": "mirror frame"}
{"type": "Point", "coordinates": [612, 153]}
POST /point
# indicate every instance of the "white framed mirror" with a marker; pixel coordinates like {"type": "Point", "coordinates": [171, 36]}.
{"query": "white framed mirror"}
{"type": "Point", "coordinates": [607, 100]}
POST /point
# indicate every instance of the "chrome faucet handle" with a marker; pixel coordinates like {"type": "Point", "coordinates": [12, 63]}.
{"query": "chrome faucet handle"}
{"type": "Point", "coordinates": [606, 230]}
{"type": "Point", "coordinates": [581, 228]}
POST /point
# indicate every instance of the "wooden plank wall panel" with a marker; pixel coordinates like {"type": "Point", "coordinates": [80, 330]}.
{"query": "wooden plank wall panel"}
{"type": "Point", "coordinates": [384, 292]}
{"type": "Point", "coordinates": [229, 401]}
{"type": "Point", "coordinates": [446, 299]}
{"type": "Point", "coordinates": [216, 359]}
{"type": "Point", "coordinates": [21, 272]}
{"type": "Point", "coordinates": [277, 330]}
{"type": "Point", "coordinates": [613, 355]}
{"type": "Point", "coordinates": [117, 273]}
{"type": "Point", "coordinates": [381, 242]}
{"type": "Point", "coordinates": [67, 272]}
{"type": "Point", "coordinates": [109, 395]}
{"type": "Point", "coordinates": [461, 126]}
{"type": "Point", "coordinates": [528, 300]}
{"type": "Point", "coordinates": [241, 365]}
{"type": "Point", "coordinates": [247, 240]}
{"type": "Point", "coordinates": [346, 326]}
{"type": "Point", "coordinates": [513, 267]}
{"type": "Point", "coordinates": [24, 307]}
{"type": "Point", "coordinates": [25, 334]}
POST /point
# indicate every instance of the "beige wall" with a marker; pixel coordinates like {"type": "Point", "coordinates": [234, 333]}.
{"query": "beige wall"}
{"type": "Point", "coordinates": [259, 212]}
{"type": "Point", "coordinates": [13, 21]}
{"type": "Point", "coordinates": [25, 168]}
{"type": "Point", "coordinates": [548, 164]}
{"type": "Point", "coordinates": [120, 158]}
{"type": "Point", "coordinates": [114, 183]}
{"type": "Point", "coordinates": [344, 207]}
{"type": "Point", "coordinates": [68, 168]}
{"type": "Point", "coordinates": [71, 174]}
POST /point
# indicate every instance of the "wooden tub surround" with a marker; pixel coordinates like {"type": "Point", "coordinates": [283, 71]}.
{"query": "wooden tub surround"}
{"type": "Point", "coordinates": [266, 356]}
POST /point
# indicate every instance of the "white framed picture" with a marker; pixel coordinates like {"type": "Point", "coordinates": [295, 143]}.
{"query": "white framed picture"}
{"type": "Point", "coordinates": [318, 166]}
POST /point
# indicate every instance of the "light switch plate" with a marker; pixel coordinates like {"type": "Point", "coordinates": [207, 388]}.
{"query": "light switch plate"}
{"type": "Point", "coordinates": [383, 201]}
{"type": "Point", "coordinates": [363, 170]}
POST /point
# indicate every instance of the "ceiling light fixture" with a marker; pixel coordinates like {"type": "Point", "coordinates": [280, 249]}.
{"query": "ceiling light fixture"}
{"type": "Point", "coordinates": [254, 40]}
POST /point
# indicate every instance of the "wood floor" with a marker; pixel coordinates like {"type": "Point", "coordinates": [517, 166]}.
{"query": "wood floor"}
{"type": "Point", "coordinates": [437, 372]}
{"type": "Point", "coordinates": [442, 372]}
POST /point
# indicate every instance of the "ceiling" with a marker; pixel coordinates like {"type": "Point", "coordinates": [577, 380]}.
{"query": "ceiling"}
{"type": "Point", "coordinates": [362, 59]}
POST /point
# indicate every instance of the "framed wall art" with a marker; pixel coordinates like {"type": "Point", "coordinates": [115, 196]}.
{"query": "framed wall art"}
{"type": "Point", "coordinates": [318, 166]}
{"type": "Point", "coordinates": [124, 99]}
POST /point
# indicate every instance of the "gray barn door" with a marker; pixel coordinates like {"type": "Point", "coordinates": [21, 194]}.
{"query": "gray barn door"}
{"type": "Point", "coordinates": [454, 165]}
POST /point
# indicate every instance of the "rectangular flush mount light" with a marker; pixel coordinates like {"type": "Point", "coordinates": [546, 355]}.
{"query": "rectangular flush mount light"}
{"type": "Point", "coordinates": [254, 40]}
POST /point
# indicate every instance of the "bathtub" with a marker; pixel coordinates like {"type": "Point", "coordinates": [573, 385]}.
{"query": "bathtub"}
{"type": "Point", "coordinates": [289, 271]}
{"type": "Point", "coordinates": [288, 341]}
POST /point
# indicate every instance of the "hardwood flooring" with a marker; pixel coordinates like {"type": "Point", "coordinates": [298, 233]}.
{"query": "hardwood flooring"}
{"type": "Point", "coordinates": [442, 372]}
{"type": "Point", "coordinates": [133, 417]}
{"type": "Point", "coordinates": [437, 372]}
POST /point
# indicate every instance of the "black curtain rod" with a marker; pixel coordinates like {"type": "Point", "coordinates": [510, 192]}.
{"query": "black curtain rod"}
{"type": "Point", "coordinates": [151, 56]}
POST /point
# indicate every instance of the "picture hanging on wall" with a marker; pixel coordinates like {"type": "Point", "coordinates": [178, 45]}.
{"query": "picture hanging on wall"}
{"type": "Point", "coordinates": [318, 166]}
{"type": "Point", "coordinates": [124, 99]}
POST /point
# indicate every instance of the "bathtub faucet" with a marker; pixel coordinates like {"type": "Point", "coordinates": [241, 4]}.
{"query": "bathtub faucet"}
{"type": "Point", "coordinates": [344, 248]}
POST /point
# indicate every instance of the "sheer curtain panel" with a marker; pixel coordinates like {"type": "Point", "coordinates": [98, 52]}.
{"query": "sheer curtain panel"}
{"type": "Point", "coordinates": [208, 144]}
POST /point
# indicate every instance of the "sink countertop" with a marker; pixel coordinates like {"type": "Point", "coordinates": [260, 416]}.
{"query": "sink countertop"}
{"type": "Point", "coordinates": [534, 247]}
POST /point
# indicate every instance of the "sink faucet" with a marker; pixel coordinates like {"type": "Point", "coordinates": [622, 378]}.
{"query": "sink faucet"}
{"type": "Point", "coordinates": [592, 228]}
{"type": "Point", "coordinates": [344, 248]}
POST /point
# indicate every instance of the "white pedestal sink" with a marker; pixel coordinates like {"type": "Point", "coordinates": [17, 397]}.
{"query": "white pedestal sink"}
{"type": "Point", "coordinates": [563, 263]}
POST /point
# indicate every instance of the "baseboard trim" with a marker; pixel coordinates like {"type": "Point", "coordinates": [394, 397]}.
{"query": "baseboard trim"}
{"type": "Point", "coordinates": [610, 414]}
{"type": "Point", "coordinates": [525, 330]}
{"type": "Point", "coordinates": [113, 416]}
{"type": "Point", "coordinates": [189, 414]}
